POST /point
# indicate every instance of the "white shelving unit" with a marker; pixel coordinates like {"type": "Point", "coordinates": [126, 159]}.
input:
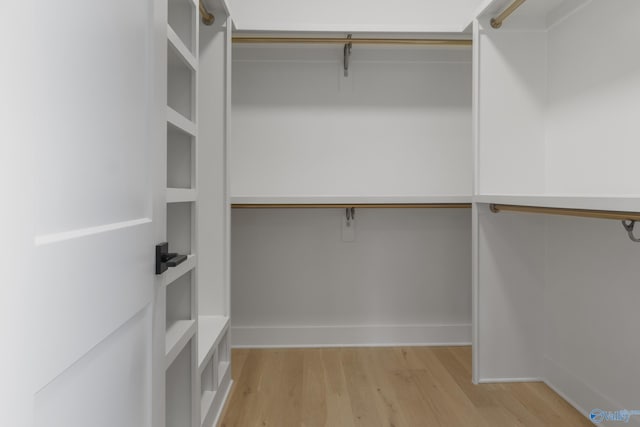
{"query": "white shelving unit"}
{"type": "Point", "coordinates": [213, 213]}
{"type": "Point", "coordinates": [181, 282]}
{"type": "Point", "coordinates": [194, 295]}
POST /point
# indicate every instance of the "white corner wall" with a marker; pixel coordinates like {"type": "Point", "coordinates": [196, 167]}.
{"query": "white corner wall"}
{"type": "Point", "coordinates": [593, 131]}
{"type": "Point", "coordinates": [399, 125]}
{"type": "Point", "coordinates": [511, 98]}
{"type": "Point", "coordinates": [510, 286]}
{"type": "Point", "coordinates": [591, 314]}
{"type": "Point", "coordinates": [405, 280]}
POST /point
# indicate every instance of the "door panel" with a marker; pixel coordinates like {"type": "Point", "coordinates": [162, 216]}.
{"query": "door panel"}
{"type": "Point", "coordinates": [106, 387]}
{"type": "Point", "coordinates": [89, 286]}
{"type": "Point", "coordinates": [93, 163]}
{"type": "Point", "coordinates": [95, 188]}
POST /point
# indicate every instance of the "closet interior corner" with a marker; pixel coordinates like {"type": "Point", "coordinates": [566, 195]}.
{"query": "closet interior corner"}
{"type": "Point", "coordinates": [556, 90]}
{"type": "Point", "coordinates": [335, 189]}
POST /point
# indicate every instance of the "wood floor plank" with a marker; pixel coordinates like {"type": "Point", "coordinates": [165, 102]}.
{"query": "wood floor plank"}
{"type": "Point", "coordinates": [283, 394]}
{"type": "Point", "coordinates": [240, 409]}
{"type": "Point", "coordinates": [382, 387]}
{"type": "Point", "coordinates": [380, 363]}
{"type": "Point", "coordinates": [339, 411]}
{"type": "Point", "coordinates": [454, 405]}
{"type": "Point", "coordinates": [360, 389]}
{"type": "Point", "coordinates": [314, 390]}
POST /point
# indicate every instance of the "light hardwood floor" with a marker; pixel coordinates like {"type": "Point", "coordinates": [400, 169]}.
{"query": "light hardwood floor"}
{"type": "Point", "coordinates": [371, 387]}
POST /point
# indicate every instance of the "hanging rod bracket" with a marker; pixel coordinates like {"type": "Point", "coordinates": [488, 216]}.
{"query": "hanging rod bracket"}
{"type": "Point", "coordinates": [351, 215]}
{"type": "Point", "coordinates": [497, 21]}
{"type": "Point", "coordinates": [207, 17]}
{"type": "Point", "coordinates": [347, 55]}
{"type": "Point", "coordinates": [629, 225]}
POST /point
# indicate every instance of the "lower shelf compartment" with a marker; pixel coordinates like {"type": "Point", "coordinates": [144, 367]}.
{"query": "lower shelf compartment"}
{"type": "Point", "coordinates": [210, 330]}
{"type": "Point", "coordinates": [212, 402]}
{"type": "Point", "coordinates": [179, 384]}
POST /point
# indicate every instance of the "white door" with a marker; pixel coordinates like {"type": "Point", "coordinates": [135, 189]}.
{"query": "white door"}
{"type": "Point", "coordinates": [94, 221]}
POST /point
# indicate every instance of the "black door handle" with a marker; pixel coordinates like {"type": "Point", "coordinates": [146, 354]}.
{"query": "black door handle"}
{"type": "Point", "coordinates": [176, 260]}
{"type": "Point", "coordinates": [166, 259]}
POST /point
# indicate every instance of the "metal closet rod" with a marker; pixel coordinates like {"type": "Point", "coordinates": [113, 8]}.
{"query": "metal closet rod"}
{"type": "Point", "coordinates": [586, 213]}
{"type": "Point", "coordinates": [207, 17]}
{"type": "Point", "coordinates": [498, 20]}
{"type": "Point", "coordinates": [344, 40]}
{"type": "Point", "coordinates": [351, 205]}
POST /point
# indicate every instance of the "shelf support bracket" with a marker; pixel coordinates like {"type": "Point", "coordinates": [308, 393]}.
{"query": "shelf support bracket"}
{"type": "Point", "coordinates": [629, 225]}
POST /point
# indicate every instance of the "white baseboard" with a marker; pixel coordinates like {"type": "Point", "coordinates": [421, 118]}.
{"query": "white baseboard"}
{"type": "Point", "coordinates": [343, 336]}
{"type": "Point", "coordinates": [581, 395]}
{"type": "Point", "coordinates": [510, 380]}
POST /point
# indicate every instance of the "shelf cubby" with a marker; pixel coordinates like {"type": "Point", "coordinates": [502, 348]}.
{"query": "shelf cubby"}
{"type": "Point", "coordinates": [211, 330]}
{"type": "Point", "coordinates": [180, 299]}
{"type": "Point", "coordinates": [180, 85]}
{"type": "Point", "coordinates": [209, 386]}
{"type": "Point", "coordinates": [179, 388]}
{"type": "Point", "coordinates": [180, 161]}
{"type": "Point", "coordinates": [223, 356]}
{"type": "Point", "coordinates": [179, 227]}
{"type": "Point", "coordinates": [181, 49]}
{"type": "Point", "coordinates": [182, 19]}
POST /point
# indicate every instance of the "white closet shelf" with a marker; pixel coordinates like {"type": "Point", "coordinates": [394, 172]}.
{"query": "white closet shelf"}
{"type": "Point", "coordinates": [180, 195]}
{"type": "Point", "coordinates": [210, 330]}
{"type": "Point", "coordinates": [205, 404]}
{"type": "Point", "coordinates": [180, 122]}
{"type": "Point", "coordinates": [177, 336]}
{"type": "Point", "coordinates": [182, 51]}
{"type": "Point", "coordinates": [357, 200]}
{"type": "Point", "coordinates": [174, 273]}
{"type": "Point", "coordinates": [603, 203]}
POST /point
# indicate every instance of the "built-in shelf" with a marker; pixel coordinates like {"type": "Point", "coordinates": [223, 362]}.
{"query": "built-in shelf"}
{"type": "Point", "coordinates": [358, 200]}
{"type": "Point", "coordinates": [177, 336]}
{"type": "Point", "coordinates": [210, 331]}
{"type": "Point", "coordinates": [180, 195]}
{"type": "Point", "coordinates": [180, 122]}
{"type": "Point", "coordinates": [603, 203]}
{"type": "Point", "coordinates": [205, 403]}
{"type": "Point", "coordinates": [181, 49]}
{"type": "Point", "coordinates": [174, 273]}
